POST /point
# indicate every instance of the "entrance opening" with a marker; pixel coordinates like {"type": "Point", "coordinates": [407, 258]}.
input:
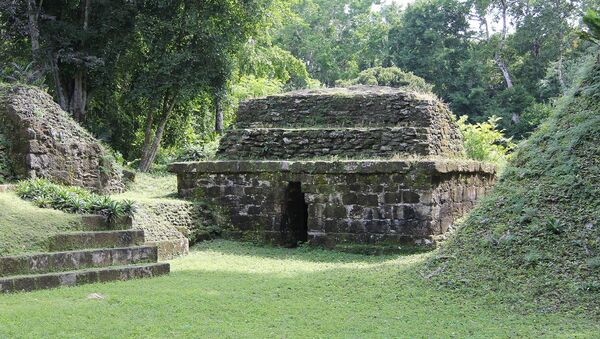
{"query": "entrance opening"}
{"type": "Point", "coordinates": [294, 222]}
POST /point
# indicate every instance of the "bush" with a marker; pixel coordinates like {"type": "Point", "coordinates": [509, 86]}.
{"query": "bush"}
{"type": "Point", "coordinates": [201, 151]}
{"type": "Point", "coordinates": [389, 76]}
{"type": "Point", "coordinates": [484, 142]}
{"type": "Point", "coordinates": [46, 194]}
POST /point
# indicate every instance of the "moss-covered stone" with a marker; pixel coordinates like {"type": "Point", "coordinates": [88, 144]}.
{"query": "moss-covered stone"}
{"type": "Point", "coordinates": [287, 143]}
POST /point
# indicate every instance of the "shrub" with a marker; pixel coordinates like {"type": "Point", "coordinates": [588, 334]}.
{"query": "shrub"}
{"type": "Point", "coordinates": [389, 76]}
{"type": "Point", "coordinates": [200, 151]}
{"type": "Point", "coordinates": [484, 142]}
{"type": "Point", "coordinates": [46, 194]}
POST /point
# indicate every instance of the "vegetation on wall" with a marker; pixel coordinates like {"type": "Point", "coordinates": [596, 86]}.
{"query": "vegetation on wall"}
{"type": "Point", "coordinates": [6, 173]}
{"type": "Point", "coordinates": [45, 194]}
{"type": "Point", "coordinates": [389, 76]}
{"type": "Point", "coordinates": [484, 142]}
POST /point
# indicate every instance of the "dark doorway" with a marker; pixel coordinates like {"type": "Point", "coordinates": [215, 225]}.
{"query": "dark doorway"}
{"type": "Point", "coordinates": [294, 228]}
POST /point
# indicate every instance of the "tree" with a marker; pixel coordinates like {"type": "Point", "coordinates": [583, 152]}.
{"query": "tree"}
{"type": "Point", "coordinates": [336, 39]}
{"type": "Point", "coordinates": [69, 40]}
{"type": "Point", "coordinates": [432, 40]}
{"type": "Point", "coordinates": [185, 48]}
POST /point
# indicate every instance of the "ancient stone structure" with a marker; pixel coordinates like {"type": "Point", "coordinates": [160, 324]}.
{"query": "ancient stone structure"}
{"type": "Point", "coordinates": [42, 141]}
{"type": "Point", "coordinates": [366, 165]}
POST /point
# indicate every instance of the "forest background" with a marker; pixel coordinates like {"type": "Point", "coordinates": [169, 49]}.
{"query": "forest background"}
{"type": "Point", "coordinates": [160, 80]}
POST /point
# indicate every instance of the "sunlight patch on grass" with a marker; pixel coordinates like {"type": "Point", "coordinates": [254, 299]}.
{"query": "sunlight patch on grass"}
{"type": "Point", "coordinates": [216, 261]}
{"type": "Point", "coordinates": [148, 186]}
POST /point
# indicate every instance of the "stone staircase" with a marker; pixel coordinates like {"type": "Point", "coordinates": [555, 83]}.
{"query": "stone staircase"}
{"type": "Point", "coordinates": [97, 254]}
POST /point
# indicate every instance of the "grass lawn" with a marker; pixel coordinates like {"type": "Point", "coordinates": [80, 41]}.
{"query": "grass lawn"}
{"type": "Point", "coordinates": [26, 228]}
{"type": "Point", "coordinates": [228, 289]}
{"type": "Point", "coordinates": [151, 187]}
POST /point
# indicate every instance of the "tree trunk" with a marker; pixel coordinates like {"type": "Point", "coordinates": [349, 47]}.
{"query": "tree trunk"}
{"type": "Point", "coordinates": [156, 143]}
{"type": "Point", "coordinates": [60, 94]}
{"type": "Point", "coordinates": [151, 149]}
{"type": "Point", "coordinates": [219, 114]}
{"type": "Point", "coordinates": [498, 55]}
{"type": "Point", "coordinates": [78, 97]}
{"type": "Point", "coordinates": [561, 78]}
{"type": "Point", "coordinates": [147, 141]}
{"type": "Point", "coordinates": [33, 12]}
{"type": "Point", "coordinates": [505, 73]}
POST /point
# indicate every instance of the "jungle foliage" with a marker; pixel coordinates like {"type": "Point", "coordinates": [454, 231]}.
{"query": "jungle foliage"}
{"type": "Point", "coordinates": [153, 78]}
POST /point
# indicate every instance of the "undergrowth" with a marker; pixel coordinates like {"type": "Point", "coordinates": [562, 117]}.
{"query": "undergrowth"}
{"type": "Point", "coordinates": [46, 194]}
{"type": "Point", "coordinates": [537, 236]}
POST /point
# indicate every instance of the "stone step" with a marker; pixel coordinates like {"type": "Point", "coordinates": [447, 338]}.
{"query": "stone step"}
{"type": "Point", "coordinates": [40, 263]}
{"type": "Point", "coordinates": [104, 239]}
{"type": "Point", "coordinates": [91, 222]}
{"type": "Point", "coordinates": [89, 276]}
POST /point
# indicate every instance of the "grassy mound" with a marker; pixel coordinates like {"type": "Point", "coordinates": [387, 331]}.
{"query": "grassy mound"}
{"type": "Point", "coordinates": [26, 228]}
{"type": "Point", "coordinates": [537, 236]}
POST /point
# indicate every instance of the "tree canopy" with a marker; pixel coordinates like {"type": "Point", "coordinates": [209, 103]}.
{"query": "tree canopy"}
{"type": "Point", "coordinates": [154, 77]}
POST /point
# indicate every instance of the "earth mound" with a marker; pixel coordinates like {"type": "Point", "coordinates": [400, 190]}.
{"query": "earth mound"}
{"type": "Point", "coordinates": [537, 235]}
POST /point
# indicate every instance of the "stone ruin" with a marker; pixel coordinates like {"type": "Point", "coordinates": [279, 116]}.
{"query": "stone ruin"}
{"type": "Point", "coordinates": [40, 140]}
{"type": "Point", "coordinates": [336, 167]}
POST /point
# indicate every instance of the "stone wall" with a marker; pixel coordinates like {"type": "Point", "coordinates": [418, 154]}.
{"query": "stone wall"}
{"type": "Point", "coordinates": [174, 225]}
{"type": "Point", "coordinates": [6, 173]}
{"type": "Point", "coordinates": [46, 143]}
{"type": "Point", "coordinates": [357, 106]}
{"type": "Point", "coordinates": [310, 143]}
{"type": "Point", "coordinates": [369, 202]}
{"type": "Point", "coordinates": [283, 178]}
{"type": "Point", "coordinates": [359, 122]}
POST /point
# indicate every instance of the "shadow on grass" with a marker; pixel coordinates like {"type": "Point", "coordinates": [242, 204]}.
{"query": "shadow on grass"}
{"type": "Point", "coordinates": [303, 253]}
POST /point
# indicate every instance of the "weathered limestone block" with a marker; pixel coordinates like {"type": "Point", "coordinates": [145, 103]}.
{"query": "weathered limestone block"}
{"type": "Point", "coordinates": [44, 142]}
{"type": "Point", "coordinates": [173, 225]}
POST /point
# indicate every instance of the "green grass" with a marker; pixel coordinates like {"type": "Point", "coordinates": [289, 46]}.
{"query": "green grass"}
{"type": "Point", "coordinates": [151, 187]}
{"type": "Point", "coordinates": [228, 289]}
{"type": "Point", "coordinates": [25, 228]}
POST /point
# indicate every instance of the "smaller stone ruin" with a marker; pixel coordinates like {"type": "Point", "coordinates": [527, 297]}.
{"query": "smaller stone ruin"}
{"type": "Point", "coordinates": [365, 165]}
{"type": "Point", "coordinates": [40, 140]}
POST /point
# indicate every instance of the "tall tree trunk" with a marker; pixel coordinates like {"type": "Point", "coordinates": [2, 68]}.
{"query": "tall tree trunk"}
{"type": "Point", "coordinates": [60, 94]}
{"type": "Point", "coordinates": [156, 143]}
{"type": "Point", "coordinates": [151, 148]}
{"type": "Point", "coordinates": [219, 114]}
{"type": "Point", "coordinates": [78, 85]}
{"type": "Point", "coordinates": [78, 97]}
{"type": "Point", "coordinates": [148, 136]}
{"type": "Point", "coordinates": [33, 12]}
{"type": "Point", "coordinates": [498, 55]}
{"type": "Point", "coordinates": [505, 73]}
{"type": "Point", "coordinates": [561, 78]}
{"type": "Point", "coordinates": [516, 118]}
